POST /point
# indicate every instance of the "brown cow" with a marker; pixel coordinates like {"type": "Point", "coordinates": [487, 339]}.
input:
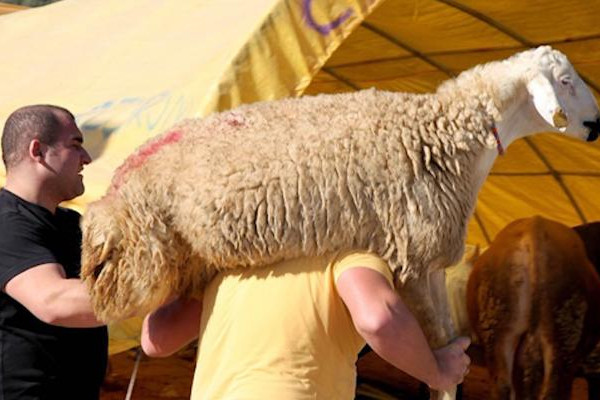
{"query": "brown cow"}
{"type": "Point", "coordinates": [533, 300]}
{"type": "Point", "coordinates": [590, 234]}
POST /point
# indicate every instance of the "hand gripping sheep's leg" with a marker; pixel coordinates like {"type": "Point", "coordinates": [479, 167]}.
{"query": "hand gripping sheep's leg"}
{"type": "Point", "coordinates": [426, 298]}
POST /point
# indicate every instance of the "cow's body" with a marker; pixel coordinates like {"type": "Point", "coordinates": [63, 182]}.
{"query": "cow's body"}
{"type": "Point", "coordinates": [534, 304]}
{"type": "Point", "coordinates": [590, 234]}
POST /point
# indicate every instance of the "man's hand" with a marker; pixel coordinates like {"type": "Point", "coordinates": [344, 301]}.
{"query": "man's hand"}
{"type": "Point", "coordinates": [453, 363]}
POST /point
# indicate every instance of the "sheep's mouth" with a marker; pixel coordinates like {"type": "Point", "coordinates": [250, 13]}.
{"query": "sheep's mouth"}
{"type": "Point", "coordinates": [594, 127]}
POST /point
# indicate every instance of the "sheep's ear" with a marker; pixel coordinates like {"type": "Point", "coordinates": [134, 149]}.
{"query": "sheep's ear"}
{"type": "Point", "coordinates": [546, 102]}
{"type": "Point", "coordinates": [109, 244]}
{"type": "Point", "coordinates": [98, 239]}
{"type": "Point", "coordinates": [102, 231]}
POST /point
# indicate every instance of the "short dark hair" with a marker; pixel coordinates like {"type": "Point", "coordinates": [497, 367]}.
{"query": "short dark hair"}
{"type": "Point", "coordinates": [27, 123]}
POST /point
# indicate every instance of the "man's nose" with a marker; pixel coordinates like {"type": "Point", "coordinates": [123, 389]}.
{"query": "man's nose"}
{"type": "Point", "coordinates": [86, 158]}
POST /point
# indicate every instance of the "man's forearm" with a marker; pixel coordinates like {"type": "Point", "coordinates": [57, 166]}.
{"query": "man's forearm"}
{"type": "Point", "coordinates": [46, 292]}
{"type": "Point", "coordinates": [69, 305]}
{"type": "Point", "coordinates": [383, 320]}
{"type": "Point", "coordinates": [400, 341]}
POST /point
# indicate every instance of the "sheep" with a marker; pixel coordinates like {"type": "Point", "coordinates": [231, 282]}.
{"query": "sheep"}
{"type": "Point", "coordinates": [533, 301]}
{"type": "Point", "coordinates": [396, 174]}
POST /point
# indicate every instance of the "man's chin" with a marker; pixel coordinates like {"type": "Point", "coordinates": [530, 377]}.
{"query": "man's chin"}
{"type": "Point", "coordinates": [76, 193]}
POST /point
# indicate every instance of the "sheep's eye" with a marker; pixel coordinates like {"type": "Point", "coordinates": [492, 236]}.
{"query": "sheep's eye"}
{"type": "Point", "coordinates": [565, 80]}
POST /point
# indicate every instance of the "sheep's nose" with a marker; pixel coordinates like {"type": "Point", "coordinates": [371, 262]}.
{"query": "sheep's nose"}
{"type": "Point", "coordinates": [594, 127]}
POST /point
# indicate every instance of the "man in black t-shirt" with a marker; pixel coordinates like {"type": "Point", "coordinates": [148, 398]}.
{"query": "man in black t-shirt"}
{"type": "Point", "coordinates": [51, 344]}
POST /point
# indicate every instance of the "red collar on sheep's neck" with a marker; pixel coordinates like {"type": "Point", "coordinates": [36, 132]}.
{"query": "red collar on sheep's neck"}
{"type": "Point", "coordinates": [497, 137]}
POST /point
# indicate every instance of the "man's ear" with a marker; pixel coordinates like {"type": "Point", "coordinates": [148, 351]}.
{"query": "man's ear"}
{"type": "Point", "coordinates": [36, 150]}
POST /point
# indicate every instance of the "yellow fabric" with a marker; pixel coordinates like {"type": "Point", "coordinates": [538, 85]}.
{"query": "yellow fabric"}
{"type": "Point", "coordinates": [6, 8]}
{"type": "Point", "coordinates": [157, 63]}
{"type": "Point", "coordinates": [281, 332]}
{"type": "Point", "coordinates": [360, 259]}
{"type": "Point", "coordinates": [124, 335]}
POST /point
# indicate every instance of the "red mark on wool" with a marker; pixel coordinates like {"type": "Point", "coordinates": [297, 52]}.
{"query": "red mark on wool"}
{"type": "Point", "coordinates": [151, 148]}
{"type": "Point", "coordinates": [235, 120]}
{"type": "Point", "coordinates": [136, 160]}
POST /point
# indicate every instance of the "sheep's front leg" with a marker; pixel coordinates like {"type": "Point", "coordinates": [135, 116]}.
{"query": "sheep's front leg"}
{"type": "Point", "coordinates": [426, 297]}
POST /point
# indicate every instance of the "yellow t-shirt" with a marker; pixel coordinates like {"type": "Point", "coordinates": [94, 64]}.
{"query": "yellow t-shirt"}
{"type": "Point", "coordinates": [280, 332]}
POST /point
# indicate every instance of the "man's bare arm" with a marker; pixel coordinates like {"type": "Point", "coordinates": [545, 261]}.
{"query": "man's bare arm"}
{"type": "Point", "coordinates": [388, 326]}
{"type": "Point", "coordinates": [171, 327]}
{"type": "Point", "coordinates": [46, 292]}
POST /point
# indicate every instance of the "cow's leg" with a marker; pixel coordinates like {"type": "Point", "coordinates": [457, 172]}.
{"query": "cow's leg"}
{"type": "Point", "coordinates": [500, 353]}
{"type": "Point", "coordinates": [504, 309]}
{"type": "Point", "coordinates": [559, 374]}
{"type": "Point", "coordinates": [593, 381]}
{"type": "Point", "coordinates": [561, 354]}
{"type": "Point", "coordinates": [591, 373]}
{"type": "Point", "coordinates": [503, 322]}
{"type": "Point", "coordinates": [426, 298]}
{"type": "Point", "coordinates": [528, 368]}
{"type": "Point", "coordinates": [564, 338]}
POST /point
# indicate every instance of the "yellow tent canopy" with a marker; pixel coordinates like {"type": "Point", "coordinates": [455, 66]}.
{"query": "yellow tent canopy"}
{"type": "Point", "coordinates": [130, 69]}
{"type": "Point", "coordinates": [6, 8]}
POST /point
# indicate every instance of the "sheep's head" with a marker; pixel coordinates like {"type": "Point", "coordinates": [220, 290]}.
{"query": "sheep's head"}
{"type": "Point", "coordinates": [559, 95]}
{"type": "Point", "coordinates": [128, 259]}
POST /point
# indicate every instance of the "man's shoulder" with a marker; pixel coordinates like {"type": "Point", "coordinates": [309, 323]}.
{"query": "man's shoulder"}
{"type": "Point", "coordinates": [361, 259]}
{"type": "Point", "coordinates": [19, 219]}
{"type": "Point", "coordinates": [68, 214]}
{"type": "Point", "coordinates": [8, 202]}
{"type": "Point", "coordinates": [10, 210]}
{"type": "Point", "coordinates": [12, 207]}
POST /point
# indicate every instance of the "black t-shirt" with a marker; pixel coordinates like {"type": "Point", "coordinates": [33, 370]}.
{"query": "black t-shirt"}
{"type": "Point", "coordinates": [38, 360]}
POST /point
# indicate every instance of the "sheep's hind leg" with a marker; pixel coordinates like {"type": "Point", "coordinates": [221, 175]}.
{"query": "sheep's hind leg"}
{"type": "Point", "coordinates": [426, 297]}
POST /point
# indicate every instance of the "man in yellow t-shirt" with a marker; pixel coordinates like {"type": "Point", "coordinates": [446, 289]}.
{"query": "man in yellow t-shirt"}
{"type": "Point", "coordinates": [294, 330]}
